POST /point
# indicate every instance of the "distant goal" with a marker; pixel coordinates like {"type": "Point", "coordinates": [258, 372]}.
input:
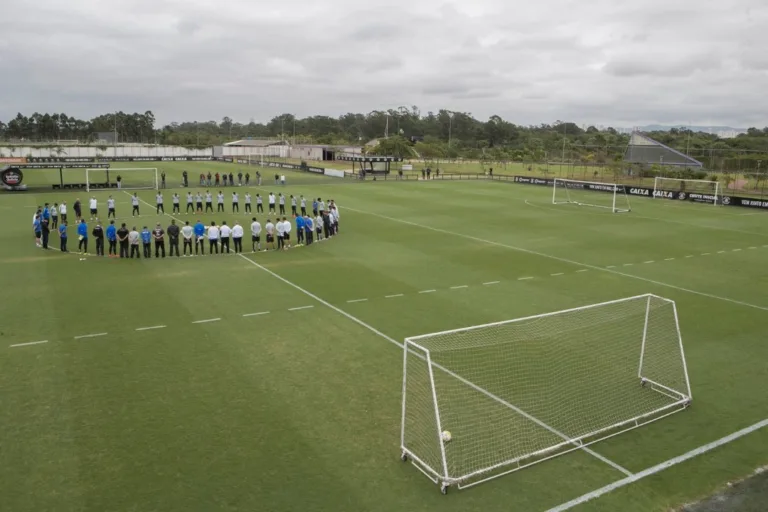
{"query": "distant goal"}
{"type": "Point", "coordinates": [589, 193]}
{"type": "Point", "coordinates": [702, 191]}
{"type": "Point", "coordinates": [124, 178]}
{"type": "Point", "coordinates": [487, 400]}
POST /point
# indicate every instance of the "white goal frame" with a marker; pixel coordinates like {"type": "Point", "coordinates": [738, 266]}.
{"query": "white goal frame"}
{"type": "Point", "coordinates": [121, 170]}
{"type": "Point", "coordinates": [716, 195]}
{"type": "Point", "coordinates": [441, 474]}
{"type": "Point", "coordinates": [593, 186]}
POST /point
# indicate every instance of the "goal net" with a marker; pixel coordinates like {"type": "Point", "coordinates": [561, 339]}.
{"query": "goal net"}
{"type": "Point", "coordinates": [123, 178]}
{"type": "Point", "coordinates": [483, 401]}
{"type": "Point", "coordinates": [701, 191]}
{"type": "Point", "coordinates": [588, 193]}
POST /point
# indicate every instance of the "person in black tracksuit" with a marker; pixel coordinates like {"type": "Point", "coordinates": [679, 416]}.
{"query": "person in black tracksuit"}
{"type": "Point", "coordinates": [173, 238]}
{"type": "Point", "coordinates": [122, 238]}
{"type": "Point", "coordinates": [98, 235]}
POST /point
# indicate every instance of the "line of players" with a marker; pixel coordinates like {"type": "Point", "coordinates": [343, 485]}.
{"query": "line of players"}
{"type": "Point", "coordinates": [324, 224]}
{"type": "Point", "coordinates": [195, 203]}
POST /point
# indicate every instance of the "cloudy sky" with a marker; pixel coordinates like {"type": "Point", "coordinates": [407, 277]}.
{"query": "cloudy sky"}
{"type": "Point", "coordinates": [617, 62]}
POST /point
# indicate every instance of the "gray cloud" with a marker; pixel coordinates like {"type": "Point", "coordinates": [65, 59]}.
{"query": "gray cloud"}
{"type": "Point", "coordinates": [597, 62]}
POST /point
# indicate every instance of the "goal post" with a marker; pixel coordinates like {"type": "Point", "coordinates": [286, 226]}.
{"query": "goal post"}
{"type": "Point", "coordinates": [590, 193]}
{"type": "Point", "coordinates": [123, 178]}
{"type": "Point", "coordinates": [702, 191]}
{"type": "Point", "coordinates": [486, 400]}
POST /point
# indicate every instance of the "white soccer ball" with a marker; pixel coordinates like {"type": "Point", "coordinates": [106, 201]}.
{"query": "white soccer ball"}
{"type": "Point", "coordinates": [446, 436]}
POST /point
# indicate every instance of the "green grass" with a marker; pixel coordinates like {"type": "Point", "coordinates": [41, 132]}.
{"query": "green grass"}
{"type": "Point", "coordinates": [300, 410]}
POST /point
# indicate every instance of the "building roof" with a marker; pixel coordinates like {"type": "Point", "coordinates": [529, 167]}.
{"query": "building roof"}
{"type": "Point", "coordinates": [257, 142]}
{"type": "Point", "coordinates": [644, 150]}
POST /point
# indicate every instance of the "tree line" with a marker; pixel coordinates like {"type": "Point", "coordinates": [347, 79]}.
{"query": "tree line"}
{"type": "Point", "coordinates": [405, 131]}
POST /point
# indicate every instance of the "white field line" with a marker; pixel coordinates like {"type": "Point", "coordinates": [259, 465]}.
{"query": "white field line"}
{"type": "Point", "coordinates": [706, 253]}
{"type": "Point", "coordinates": [299, 308]}
{"type": "Point", "coordinates": [356, 300]}
{"type": "Point", "coordinates": [459, 287]}
{"type": "Point", "coordinates": [582, 270]}
{"type": "Point", "coordinates": [735, 250]}
{"type": "Point", "coordinates": [528, 278]}
{"type": "Point", "coordinates": [447, 371]}
{"type": "Point", "coordinates": [611, 266]}
{"type": "Point", "coordinates": [257, 314]}
{"type": "Point", "coordinates": [565, 260]}
{"type": "Point", "coordinates": [489, 283]}
{"type": "Point", "coordinates": [150, 328]}
{"type": "Point", "coordinates": [689, 256]}
{"type": "Point", "coordinates": [427, 291]}
{"type": "Point", "coordinates": [206, 320]}
{"type": "Point", "coordinates": [628, 264]}
{"type": "Point", "coordinates": [90, 335]}
{"type": "Point", "coordinates": [557, 274]}
{"type": "Point", "coordinates": [29, 343]}
{"type": "Point", "coordinates": [649, 261]}
{"type": "Point", "coordinates": [668, 259]}
{"type": "Point", "coordinates": [751, 247]}
{"type": "Point", "coordinates": [659, 467]}
{"type": "Point", "coordinates": [720, 252]}
{"type": "Point", "coordinates": [393, 296]}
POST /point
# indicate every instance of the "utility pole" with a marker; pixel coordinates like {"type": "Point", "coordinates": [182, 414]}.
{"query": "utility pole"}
{"type": "Point", "coordinates": [450, 127]}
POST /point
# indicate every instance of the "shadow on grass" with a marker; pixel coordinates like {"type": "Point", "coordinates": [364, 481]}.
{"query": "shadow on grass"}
{"type": "Point", "coordinates": [748, 495]}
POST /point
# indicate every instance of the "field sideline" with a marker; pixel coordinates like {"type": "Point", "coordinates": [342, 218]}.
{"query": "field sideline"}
{"type": "Point", "coordinates": [272, 380]}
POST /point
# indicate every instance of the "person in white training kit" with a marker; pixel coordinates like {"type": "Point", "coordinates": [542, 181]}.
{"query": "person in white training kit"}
{"type": "Point", "coordinates": [286, 233]}
{"type": "Point", "coordinates": [282, 204]}
{"type": "Point", "coordinates": [186, 234]}
{"type": "Point", "coordinates": [176, 207]}
{"type": "Point", "coordinates": [280, 234]}
{"type": "Point", "coordinates": [235, 202]}
{"type": "Point", "coordinates": [247, 202]}
{"type": "Point", "coordinates": [159, 203]}
{"type": "Point", "coordinates": [94, 206]}
{"type": "Point", "coordinates": [63, 211]}
{"type": "Point", "coordinates": [271, 202]}
{"type": "Point", "coordinates": [213, 238]}
{"type": "Point", "coordinates": [270, 229]}
{"type": "Point", "coordinates": [255, 235]}
{"type": "Point", "coordinates": [111, 207]}
{"type": "Point", "coordinates": [237, 237]}
{"type": "Point", "coordinates": [135, 205]}
{"type": "Point", "coordinates": [190, 203]}
{"type": "Point", "coordinates": [319, 228]}
{"type": "Point", "coordinates": [225, 232]}
{"type": "Point", "coordinates": [220, 201]}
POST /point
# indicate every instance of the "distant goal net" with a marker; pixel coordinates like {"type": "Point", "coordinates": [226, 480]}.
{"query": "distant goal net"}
{"type": "Point", "coordinates": [588, 193]}
{"type": "Point", "coordinates": [124, 178]}
{"type": "Point", "coordinates": [702, 191]}
{"type": "Point", "coordinates": [483, 401]}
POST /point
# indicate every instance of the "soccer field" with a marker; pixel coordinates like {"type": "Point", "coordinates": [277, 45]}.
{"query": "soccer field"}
{"type": "Point", "coordinates": [273, 381]}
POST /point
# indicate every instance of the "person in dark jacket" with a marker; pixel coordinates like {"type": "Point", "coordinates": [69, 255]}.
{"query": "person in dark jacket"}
{"type": "Point", "coordinates": [173, 238]}
{"type": "Point", "coordinates": [98, 235]}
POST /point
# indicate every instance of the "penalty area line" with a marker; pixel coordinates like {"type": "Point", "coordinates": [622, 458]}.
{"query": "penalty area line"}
{"type": "Point", "coordinates": [447, 371]}
{"type": "Point", "coordinates": [659, 467]}
{"type": "Point", "coordinates": [151, 327]}
{"type": "Point", "coordinates": [29, 343]}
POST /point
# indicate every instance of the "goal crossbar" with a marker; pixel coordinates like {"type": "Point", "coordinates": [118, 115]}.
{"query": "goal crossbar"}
{"type": "Point", "coordinates": [679, 400]}
{"type": "Point", "coordinates": [109, 181]}
{"type": "Point", "coordinates": [617, 191]}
